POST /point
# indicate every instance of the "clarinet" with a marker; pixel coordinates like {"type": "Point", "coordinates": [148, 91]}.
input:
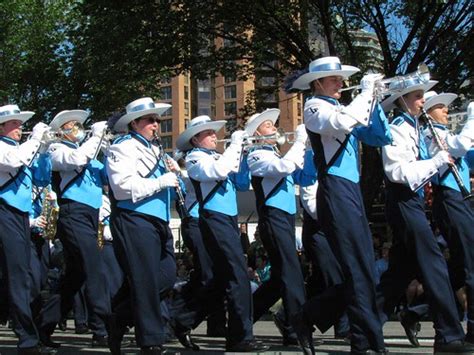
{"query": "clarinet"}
{"type": "Point", "coordinates": [180, 202]}
{"type": "Point", "coordinates": [453, 167]}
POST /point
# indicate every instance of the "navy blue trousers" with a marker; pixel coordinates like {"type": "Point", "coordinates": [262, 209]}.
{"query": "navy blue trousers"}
{"type": "Point", "coordinates": [77, 230]}
{"type": "Point", "coordinates": [39, 266]}
{"type": "Point", "coordinates": [200, 296]}
{"type": "Point", "coordinates": [222, 240]}
{"type": "Point", "coordinates": [326, 270]}
{"type": "Point", "coordinates": [143, 246]}
{"type": "Point", "coordinates": [455, 218]}
{"type": "Point", "coordinates": [81, 314]}
{"type": "Point", "coordinates": [15, 256]}
{"type": "Point", "coordinates": [343, 221]}
{"type": "Point", "coordinates": [415, 253]}
{"type": "Point", "coordinates": [277, 232]}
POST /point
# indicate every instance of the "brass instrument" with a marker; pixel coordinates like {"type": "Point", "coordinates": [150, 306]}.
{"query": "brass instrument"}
{"type": "Point", "coordinates": [397, 83]}
{"type": "Point", "coordinates": [50, 213]}
{"type": "Point", "coordinates": [100, 236]}
{"type": "Point", "coordinates": [280, 136]}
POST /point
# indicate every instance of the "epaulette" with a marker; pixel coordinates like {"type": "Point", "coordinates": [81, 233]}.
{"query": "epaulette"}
{"type": "Point", "coordinates": [120, 139]}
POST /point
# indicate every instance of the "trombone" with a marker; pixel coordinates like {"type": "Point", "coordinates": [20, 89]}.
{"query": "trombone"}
{"type": "Point", "coordinates": [280, 136]}
{"type": "Point", "coordinates": [397, 83]}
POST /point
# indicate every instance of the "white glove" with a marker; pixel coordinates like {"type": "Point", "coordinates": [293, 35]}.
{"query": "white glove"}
{"type": "Point", "coordinates": [470, 111]}
{"type": "Point", "coordinates": [167, 180]}
{"type": "Point", "coordinates": [172, 164]}
{"type": "Point", "coordinates": [367, 83]}
{"type": "Point", "coordinates": [39, 222]}
{"type": "Point", "coordinates": [98, 128]}
{"type": "Point", "coordinates": [441, 158]}
{"type": "Point", "coordinates": [51, 196]}
{"type": "Point", "coordinates": [300, 134]}
{"type": "Point", "coordinates": [238, 137]}
{"type": "Point", "coordinates": [39, 130]}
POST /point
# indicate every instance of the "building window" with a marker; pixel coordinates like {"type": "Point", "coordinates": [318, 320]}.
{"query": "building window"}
{"type": "Point", "coordinates": [268, 81]}
{"type": "Point", "coordinates": [230, 92]}
{"type": "Point", "coordinates": [166, 126]}
{"type": "Point", "coordinates": [166, 93]}
{"type": "Point", "coordinates": [204, 111]}
{"type": "Point", "coordinates": [299, 108]}
{"type": "Point", "coordinates": [186, 108]}
{"type": "Point", "coordinates": [186, 78]}
{"type": "Point", "coordinates": [186, 123]}
{"type": "Point", "coordinates": [230, 108]}
{"type": "Point", "coordinates": [167, 142]}
{"type": "Point", "coordinates": [186, 92]}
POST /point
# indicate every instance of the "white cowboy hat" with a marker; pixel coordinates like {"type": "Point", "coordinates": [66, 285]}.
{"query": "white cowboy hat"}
{"type": "Point", "coordinates": [321, 68]}
{"type": "Point", "coordinates": [68, 115]}
{"type": "Point", "coordinates": [433, 99]}
{"type": "Point", "coordinates": [257, 119]}
{"type": "Point", "coordinates": [197, 125]}
{"type": "Point", "coordinates": [138, 108]}
{"type": "Point", "coordinates": [12, 112]}
{"type": "Point", "coordinates": [398, 88]}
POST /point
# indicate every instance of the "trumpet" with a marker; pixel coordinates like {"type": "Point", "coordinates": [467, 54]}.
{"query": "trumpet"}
{"type": "Point", "coordinates": [397, 83]}
{"type": "Point", "coordinates": [280, 136]}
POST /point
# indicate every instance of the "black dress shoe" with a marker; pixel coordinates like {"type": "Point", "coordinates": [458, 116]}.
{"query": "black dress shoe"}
{"type": "Point", "coordinates": [152, 350]}
{"type": "Point", "coordinates": [45, 341]}
{"type": "Point", "coordinates": [304, 333]}
{"type": "Point", "coordinates": [185, 339]}
{"type": "Point", "coordinates": [81, 329]}
{"type": "Point", "coordinates": [100, 341]}
{"type": "Point", "coordinates": [454, 347]}
{"type": "Point", "coordinates": [62, 325]}
{"type": "Point", "coordinates": [411, 326]}
{"type": "Point", "coordinates": [248, 346]}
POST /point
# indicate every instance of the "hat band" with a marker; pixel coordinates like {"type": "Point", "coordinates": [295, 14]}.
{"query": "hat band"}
{"type": "Point", "coordinates": [407, 83]}
{"type": "Point", "coordinates": [142, 107]}
{"type": "Point", "coordinates": [325, 67]}
{"type": "Point", "coordinates": [199, 123]}
{"type": "Point", "coordinates": [8, 113]}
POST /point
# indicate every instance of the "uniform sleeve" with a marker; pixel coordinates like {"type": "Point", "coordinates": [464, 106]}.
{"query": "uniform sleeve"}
{"type": "Point", "coordinates": [400, 164]}
{"type": "Point", "coordinates": [242, 178]}
{"type": "Point", "coordinates": [65, 158]}
{"type": "Point", "coordinates": [205, 168]}
{"type": "Point", "coordinates": [41, 170]}
{"type": "Point", "coordinates": [324, 118]}
{"type": "Point", "coordinates": [308, 175]}
{"type": "Point", "coordinates": [266, 163]}
{"type": "Point", "coordinates": [12, 157]}
{"type": "Point", "coordinates": [124, 179]}
{"type": "Point", "coordinates": [377, 133]}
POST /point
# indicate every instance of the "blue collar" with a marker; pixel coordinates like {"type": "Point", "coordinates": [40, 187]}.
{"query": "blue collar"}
{"type": "Point", "coordinates": [205, 150]}
{"type": "Point", "coordinates": [331, 100]}
{"type": "Point", "coordinates": [70, 144]}
{"type": "Point", "coordinates": [8, 140]}
{"type": "Point", "coordinates": [440, 126]}
{"type": "Point", "coordinates": [410, 120]}
{"type": "Point", "coordinates": [141, 139]}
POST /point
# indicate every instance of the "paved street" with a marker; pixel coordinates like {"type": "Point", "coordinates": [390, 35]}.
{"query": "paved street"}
{"type": "Point", "coordinates": [264, 330]}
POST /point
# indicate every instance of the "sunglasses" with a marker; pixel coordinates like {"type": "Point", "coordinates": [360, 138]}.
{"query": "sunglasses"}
{"type": "Point", "coordinates": [151, 119]}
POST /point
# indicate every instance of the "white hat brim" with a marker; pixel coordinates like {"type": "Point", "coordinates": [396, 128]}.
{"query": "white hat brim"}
{"type": "Point", "coordinates": [69, 115]}
{"type": "Point", "coordinates": [23, 116]}
{"type": "Point", "coordinates": [122, 123]}
{"type": "Point", "coordinates": [389, 103]}
{"type": "Point", "coordinates": [183, 142]}
{"type": "Point", "coordinates": [444, 98]}
{"type": "Point", "coordinates": [302, 83]}
{"type": "Point", "coordinates": [267, 115]}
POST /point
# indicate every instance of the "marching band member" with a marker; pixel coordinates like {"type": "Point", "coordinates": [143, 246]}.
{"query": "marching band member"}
{"type": "Point", "coordinates": [334, 131]}
{"type": "Point", "coordinates": [16, 180]}
{"type": "Point", "coordinates": [407, 168]}
{"type": "Point", "coordinates": [143, 243]}
{"type": "Point", "coordinates": [216, 177]}
{"type": "Point", "coordinates": [273, 180]}
{"type": "Point", "coordinates": [77, 179]}
{"type": "Point", "coordinates": [452, 213]}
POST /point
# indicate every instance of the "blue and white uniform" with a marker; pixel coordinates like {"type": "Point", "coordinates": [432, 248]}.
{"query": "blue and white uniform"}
{"type": "Point", "coordinates": [273, 180]}
{"type": "Point", "coordinates": [414, 248]}
{"type": "Point", "coordinates": [216, 178]}
{"type": "Point", "coordinates": [335, 131]}
{"type": "Point", "coordinates": [78, 180]}
{"type": "Point", "coordinates": [141, 234]}
{"type": "Point", "coordinates": [17, 177]}
{"type": "Point", "coordinates": [454, 215]}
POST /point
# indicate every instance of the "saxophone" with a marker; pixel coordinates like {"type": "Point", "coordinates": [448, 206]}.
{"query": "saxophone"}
{"type": "Point", "coordinates": [50, 213]}
{"type": "Point", "coordinates": [100, 235]}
